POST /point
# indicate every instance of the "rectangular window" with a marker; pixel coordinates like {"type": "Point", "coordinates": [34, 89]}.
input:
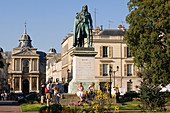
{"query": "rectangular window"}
{"type": "Point", "coordinates": [17, 64]}
{"type": "Point", "coordinates": [128, 52]}
{"type": "Point", "coordinates": [129, 70]}
{"type": "Point", "coordinates": [105, 70]}
{"type": "Point", "coordinates": [34, 83]}
{"type": "Point", "coordinates": [34, 64]}
{"type": "Point", "coordinates": [129, 86]}
{"type": "Point", "coordinates": [105, 51]}
{"type": "Point", "coordinates": [16, 87]}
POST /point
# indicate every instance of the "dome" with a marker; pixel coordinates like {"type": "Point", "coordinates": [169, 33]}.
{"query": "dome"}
{"type": "Point", "coordinates": [25, 37]}
{"type": "Point", "coordinates": [25, 40]}
{"type": "Point", "coordinates": [52, 50]}
{"type": "Point", "coordinates": [1, 50]}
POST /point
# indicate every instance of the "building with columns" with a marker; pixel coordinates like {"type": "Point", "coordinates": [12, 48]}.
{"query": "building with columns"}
{"type": "Point", "coordinates": [27, 66]}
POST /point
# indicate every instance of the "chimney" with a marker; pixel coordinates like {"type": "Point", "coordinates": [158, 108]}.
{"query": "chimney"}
{"type": "Point", "coordinates": [101, 27]}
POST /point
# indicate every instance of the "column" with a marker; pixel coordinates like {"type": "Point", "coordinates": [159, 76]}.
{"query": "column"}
{"type": "Point", "coordinates": [20, 64]}
{"type": "Point", "coordinates": [13, 66]}
{"type": "Point", "coordinates": [30, 64]}
{"type": "Point", "coordinates": [30, 83]}
{"type": "Point", "coordinates": [13, 81]}
{"type": "Point", "coordinates": [37, 64]}
{"type": "Point", "coordinates": [37, 83]}
{"type": "Point", "coordinates": [20, 82]}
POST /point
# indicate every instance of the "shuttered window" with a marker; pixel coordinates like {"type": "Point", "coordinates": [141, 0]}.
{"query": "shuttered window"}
{"type": "Point", "coordinates": [105, 51]}
{"type": "Point", "coordinates": [129, 70]}
{"type": "Point", "coordinates": [128, 52]}
{"type": "Point", "coordinates": [125, 52]}
{"type": "Point", "coordinates": [105, 70]}
{"type": "Point", "coordinates": [125, 69]}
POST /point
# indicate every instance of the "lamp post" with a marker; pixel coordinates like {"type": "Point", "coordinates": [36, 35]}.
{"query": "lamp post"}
{"type": "Point", "coordinates": [68, 75]}
{"type": "Point", "coordinates": [114, 77]}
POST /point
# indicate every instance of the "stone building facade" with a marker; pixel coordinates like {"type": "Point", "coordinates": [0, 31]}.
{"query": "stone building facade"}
{"type": "Point", "coordinates": [27, 66]}
{"type": "Point", "coordinates": [112, 53]}
{"type": "Point", "coordinates": [53, 67]}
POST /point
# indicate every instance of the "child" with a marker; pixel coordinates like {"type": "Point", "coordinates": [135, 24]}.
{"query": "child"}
{"type": "Point", "coordinates": [56, 95]}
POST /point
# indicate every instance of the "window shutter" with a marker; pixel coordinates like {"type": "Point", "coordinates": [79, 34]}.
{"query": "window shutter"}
{"type": "Point", "coordinates": [101, 51]}
{"type": "Point", "coordinates": [134, 70]}
{"type": "Point", "coordinates": [125, 69]}
{"type": "Point", "coordinates": [110, 51]}
{"type": "Point", "coordinates": [125, 52]}
{"type": "Point", "coordinates": [101, 69]}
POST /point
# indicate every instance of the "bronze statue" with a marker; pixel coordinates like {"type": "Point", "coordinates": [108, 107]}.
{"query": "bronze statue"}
{"type": "Point", "coordinates": [81, 28]}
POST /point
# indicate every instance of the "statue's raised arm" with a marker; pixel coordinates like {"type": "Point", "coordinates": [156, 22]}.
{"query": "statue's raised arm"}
{"type": "Point", "coordinates": [81, 27]}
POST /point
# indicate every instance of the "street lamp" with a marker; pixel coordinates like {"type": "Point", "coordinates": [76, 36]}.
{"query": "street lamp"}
{"type": "Point", "coordinates": [114, 77]}
{"type": "Point", "coordinates": [68, 75]}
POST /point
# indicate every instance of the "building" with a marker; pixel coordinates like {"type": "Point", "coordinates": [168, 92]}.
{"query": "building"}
{"type": "Point", "coordinates": [113, 53]}
{"type": "Point", "coordinates": [53, 67]}
{"type": "Point", "coordinates": [27, 66]}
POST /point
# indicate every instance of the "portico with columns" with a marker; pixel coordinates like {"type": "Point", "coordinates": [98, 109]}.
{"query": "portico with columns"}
{"type": "Point", "coordinates": [27, 67]}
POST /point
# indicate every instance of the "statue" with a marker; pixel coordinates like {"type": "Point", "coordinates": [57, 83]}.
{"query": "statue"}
{"type": "Point", "coordinates": [81, 28]}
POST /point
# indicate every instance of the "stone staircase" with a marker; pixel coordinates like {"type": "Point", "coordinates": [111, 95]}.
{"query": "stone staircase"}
{"type": "Point", "coordinates": [67, 99]}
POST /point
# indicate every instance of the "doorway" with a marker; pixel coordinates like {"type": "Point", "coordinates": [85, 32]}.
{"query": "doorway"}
{"type": "Point", "coordinates": [25, 88]}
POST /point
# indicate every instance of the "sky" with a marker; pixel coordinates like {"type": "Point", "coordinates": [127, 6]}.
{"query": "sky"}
{"type": "Point", "coordinates": [49, 21]}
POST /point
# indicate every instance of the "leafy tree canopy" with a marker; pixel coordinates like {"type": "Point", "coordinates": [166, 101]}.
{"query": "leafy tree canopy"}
{"type": "Point", "coordinates": [148, 36]}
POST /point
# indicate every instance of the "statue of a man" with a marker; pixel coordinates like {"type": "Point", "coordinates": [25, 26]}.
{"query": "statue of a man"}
{"type": "Point", "coordinates": [81, 27]}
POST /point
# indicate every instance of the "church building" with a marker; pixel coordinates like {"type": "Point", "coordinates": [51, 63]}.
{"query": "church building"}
{"type": "Point", "coordinates": [27, 66]}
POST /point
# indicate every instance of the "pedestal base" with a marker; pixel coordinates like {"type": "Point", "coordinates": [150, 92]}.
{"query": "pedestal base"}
{"type": "Point", "coordinates": [72, 89]}
{"type": "Point", "coordinates": [83, 68]}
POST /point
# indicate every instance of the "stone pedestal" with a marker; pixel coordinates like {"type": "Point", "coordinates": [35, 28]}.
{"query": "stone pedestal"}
{"type": "Point", "coordinates": [83, 68]}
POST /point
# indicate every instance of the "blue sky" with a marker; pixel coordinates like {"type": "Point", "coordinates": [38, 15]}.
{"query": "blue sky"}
{"type": "Point", "coordinates": [49, 21]}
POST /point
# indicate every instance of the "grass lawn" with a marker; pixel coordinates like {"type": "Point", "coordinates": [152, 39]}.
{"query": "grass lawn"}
{"type": "Point", "coordinates": [31, 107]}
{"type": "Point", "coordinates": [133, 102]}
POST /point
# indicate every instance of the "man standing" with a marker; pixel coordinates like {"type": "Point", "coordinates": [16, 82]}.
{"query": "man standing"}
{"type": "Point", "coordinates": [42, 92]}
{"type": "Point", "coordinates": [81, 27]}
{"type": "Point", "coordinates": [49, 93]}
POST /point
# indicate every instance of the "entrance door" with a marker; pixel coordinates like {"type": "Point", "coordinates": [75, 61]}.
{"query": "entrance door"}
{"type": "Point", "coordinates": [25, 88]}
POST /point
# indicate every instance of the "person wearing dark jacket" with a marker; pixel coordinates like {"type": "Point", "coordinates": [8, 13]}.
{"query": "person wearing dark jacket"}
{"type": "Point", "coordinates": [42, 92]}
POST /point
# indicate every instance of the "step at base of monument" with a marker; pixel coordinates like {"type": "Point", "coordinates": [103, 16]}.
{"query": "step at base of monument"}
{"type": "Point", "coordinates": [69, 96]}
{"type": "Point", "coordinates": [67, 102]}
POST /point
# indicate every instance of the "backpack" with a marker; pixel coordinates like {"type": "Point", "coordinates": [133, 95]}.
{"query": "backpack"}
{"type": "Point", "coordinates": [46, 90]}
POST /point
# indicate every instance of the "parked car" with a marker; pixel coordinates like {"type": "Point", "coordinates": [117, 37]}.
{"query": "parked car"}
{"type": "Point", "coordinates": [33, 97]}
{"type": "Point", "coordinates": [20, 96]}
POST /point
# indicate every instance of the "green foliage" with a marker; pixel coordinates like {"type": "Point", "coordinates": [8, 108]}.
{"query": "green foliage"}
{"type": "Point", "coordinates": [148, 37]}
{"type": "Point", "coordinates": [1, 62]}
{"type": "Point", "coordinates": [150, 94]}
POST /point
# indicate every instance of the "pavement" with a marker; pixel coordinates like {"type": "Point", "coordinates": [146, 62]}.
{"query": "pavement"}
{"type": "Point", "coordinates": [11, 107]}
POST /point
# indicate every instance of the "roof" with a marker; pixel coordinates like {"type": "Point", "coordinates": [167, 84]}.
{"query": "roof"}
{"type": "Point", "coordinates": [113, 32]}
{"type": "Point", "coordinates": [42, 55]}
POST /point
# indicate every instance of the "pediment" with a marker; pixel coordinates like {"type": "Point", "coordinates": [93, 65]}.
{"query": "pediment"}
{"type": "Point", "coordinates": [25, 52]}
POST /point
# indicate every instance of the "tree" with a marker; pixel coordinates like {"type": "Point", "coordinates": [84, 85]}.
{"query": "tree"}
{"type": "Point", "coordinates": [148, 37]}
{"type": "Point", "coordinates": [1, 62]}
{"type": "Point", "coordinates": [150, 94]}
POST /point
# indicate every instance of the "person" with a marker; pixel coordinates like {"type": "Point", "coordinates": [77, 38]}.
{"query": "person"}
{"type": "Point", "coordinates": [90, 89]}
{"type": "Point", "coordinates": [49, 93]}
{"type": "Point", "coordinates": [2, 96]}
{"type": "Point", "coordinates": [80, 89]}
{"type": "Point", "coordinates": [5, 95]}
{"type": "Point", "coordinates": [56, 95]}
{"type": "Point", "coordinates": [42, 92]}
{"type": "Point", "coordinates": [81, 27]}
